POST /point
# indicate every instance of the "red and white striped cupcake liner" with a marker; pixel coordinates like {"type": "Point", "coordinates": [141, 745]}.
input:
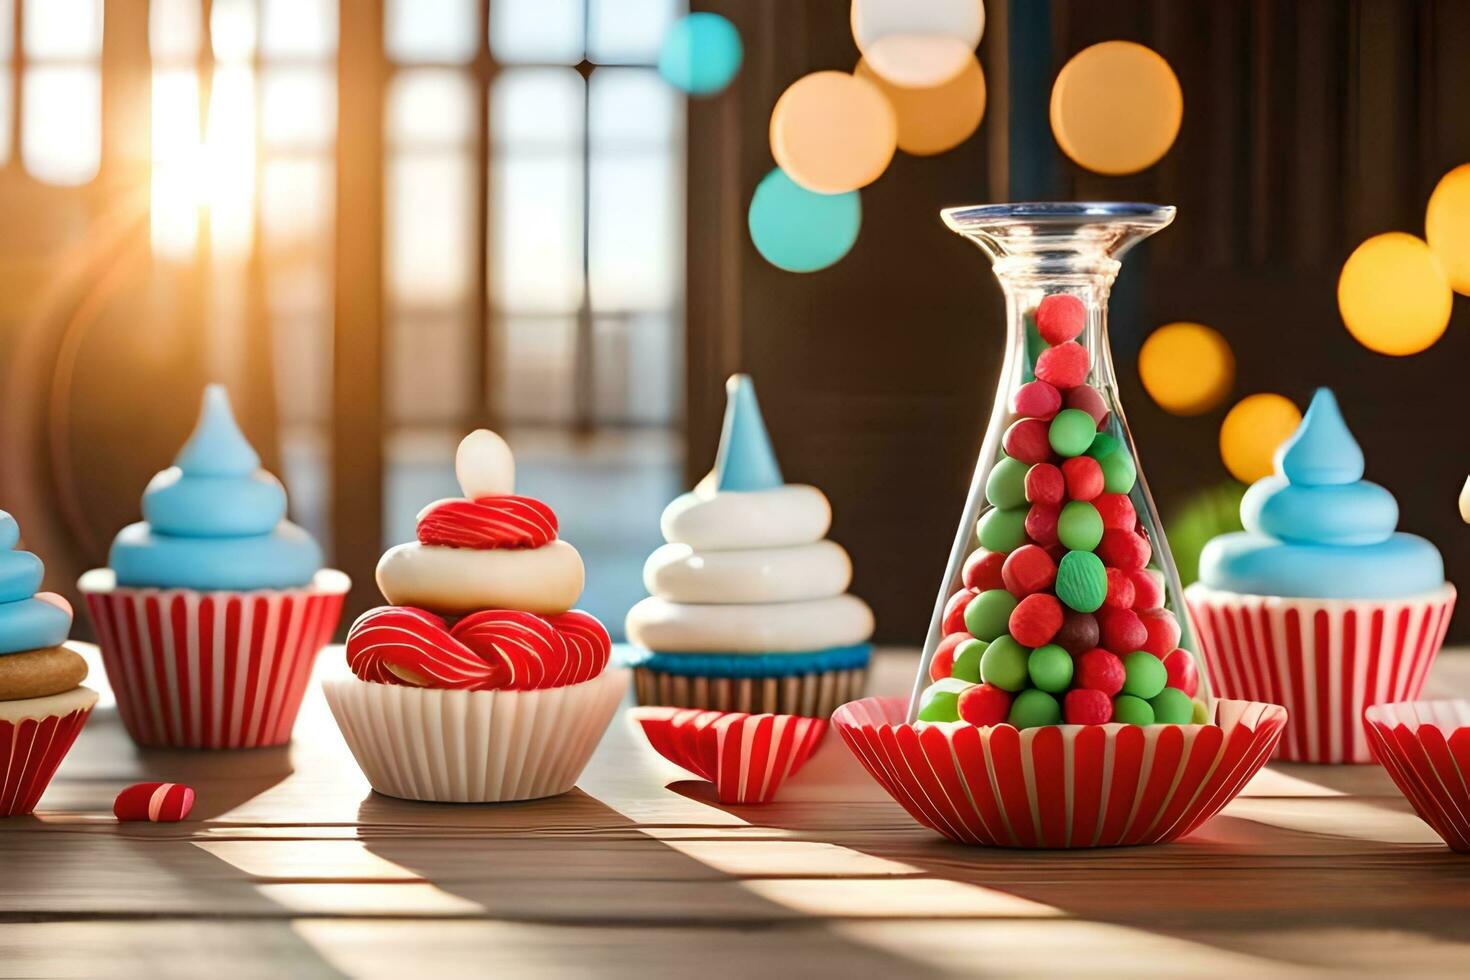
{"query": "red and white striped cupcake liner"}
{"type": "Point", "coordinates": [747, 757]}
{"type": "Point", "coordinates": [1061, 786]}
{"type": "Point", "coordinates": [212, 670]}
{"type": "Point", "coordinates": [1326, 660]}
{"type": "Point", "coordinates": [35, 735]}
{"type": "Point", "coordinates": [1425, 746]}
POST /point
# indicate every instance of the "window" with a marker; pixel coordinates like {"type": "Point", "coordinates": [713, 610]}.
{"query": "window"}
{"type": "Point", "coordinates": [60, 47]}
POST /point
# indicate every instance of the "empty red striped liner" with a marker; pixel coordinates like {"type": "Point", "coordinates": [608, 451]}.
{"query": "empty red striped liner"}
{"type": "Point", "coordinates": [746, 757]}
{"type": "Point", "coordinates": [35, 735]}
{"type": "Point", "coordinates": [211, 670]}
{"type": "Point", "coordinates": [1061, 786]}
{"type": "Point", "coordinates": [1324, 659]}
{"type": "Point", "coordinates": [1425, 746]}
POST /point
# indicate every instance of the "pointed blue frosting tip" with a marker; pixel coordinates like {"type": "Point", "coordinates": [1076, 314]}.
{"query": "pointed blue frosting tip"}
{"type": "Point", "coordinates": [217, 447]}
{"type": "Point", "coordinates": [1322, 451]}
{"type": "Point", "coordinates": [745, 460]}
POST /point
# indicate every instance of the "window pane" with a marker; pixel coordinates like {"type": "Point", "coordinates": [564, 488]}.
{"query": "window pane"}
{"type": "Point", "coordinates": [298, 107]}
{"type": "Point", "coordinates": [632, 108]}
{"type": "Point", "coordinates": [298, 28]}
{"type": "Point", "coordinates": [545, 31]}
{"type": "Point", "coordinates": [174, 208]}
{"type": "Point", "coordinates": [303, 357]}
{"type": "Point", "coordinates": [229, 160]}
{"type": "Point", "coordinates": [431, 30]}
{"type": "Point", "coordinates": [296, 203]}
{"type": "Point", "coordinates": [173, 29]}
{"type": "Point", "coordinates": [533, 108]}
{"type": "Point", "coordinates": [62, 138]}
{"type": "Point", "coordinates": [431, 107]}
{"type": "Point", "coordinates": [533, 366]}
{"type": "Point", "coordinates": [232, 29]}
{"type": "Point", "coordinates": [63, 28]}
{"type": "Point", "coordinates": [633, 234]}
{"type": "Point", "coordinates": [536, 224]}
{"type": "Point", "coordinates": [629, 31]}
{"type": "Point", "coordinates": [430, 231]}
{"type": "Point", "coordinates": [634, 362]}
{"type": "Point", "coordinates": [7, 23]}
{"type": "Point", "coordinates": [428, 370]}
{"type": "Point", "coordinates": [299, 290]}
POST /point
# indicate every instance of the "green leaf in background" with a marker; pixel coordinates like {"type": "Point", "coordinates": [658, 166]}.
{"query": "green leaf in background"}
{"type": "Point", "coordinates": [1209, 513]}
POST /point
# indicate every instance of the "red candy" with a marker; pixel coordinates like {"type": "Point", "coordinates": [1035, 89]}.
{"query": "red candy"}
{"type": "Point", "coordinates": [1089, 400]}
{"type": "Point", "coordinates": [1036, 619]}
{"type": "Point", "coordinates": [1117, 511]}
{"type": "Point", "coordinates": [1148, 589]}
{"type": "Point", "coordinates": [1083, 706]}
{"type": "Point", "coordinates": [1027, 441]}
{"type": "Point", "coordinates": [1183, 672]}
{"type": "Point", "coordinates": [1046, 485]}
{"type": "Point", "coordinates": [1122, 630]}
{"type": "Point", "coordinates": [1060, 317]}
{"type": "Point", "coordinates": [954, 611]}
{"type": "Point", "coordinates": [1041, 524]}
{"type": "Point", "coordinates": [154, 802]}
{"type": "Point", "coordinates": [1083, 476]}
{"type": "Point", "coordinates": [1124, 549]}
{"type": "Point", "coordinates": [1079, 633]}
{"type": "Point", "coordinates": [1163, 631]}
{"type": "Point", "coordinates": [1098, 670]}
{"type": "Point", "coordinates": [982, 569]}
{"type": "Point", "coordinates": [984, 704]}
{"type": "Point", "coordinates": [943, 662]}
{"type": "Point", "coordinates": [1028, 569]}
{"type": "Point", "coordinates": [1120, 590]}
{"type": "Point", "coordinates": [1063, 366]}
{"type": "Point", "coordinates": [1037, 400]}
{"type": "Point", "coordinates": [489, 522]}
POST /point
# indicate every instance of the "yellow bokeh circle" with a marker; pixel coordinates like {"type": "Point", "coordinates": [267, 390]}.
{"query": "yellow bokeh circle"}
{"type": "Point", "coordinates": [1116, 107]}
{"type": "Point", "coordinates": [1393, 295]}
{"type": "Point", "coordinates": [917, 43]}
{"type": "Point", "coordinates": [1187, 368]}
{"type": "Point", "coordinates": [1251, 432]}
{"type": "Point", "coordinates": [932, 120]}
{"type": "Point", "coordinates": [1447, 226]}
{"type": "Point", "coordinates": [833, 132]}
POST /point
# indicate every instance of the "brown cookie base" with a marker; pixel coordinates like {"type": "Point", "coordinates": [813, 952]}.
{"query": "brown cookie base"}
{"type": "Point", "coordinates": [40, 673]}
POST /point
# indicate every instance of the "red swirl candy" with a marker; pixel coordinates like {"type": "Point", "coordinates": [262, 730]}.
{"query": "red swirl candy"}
{"type": "Point", "coordinates": [486, 523]}
{"type": "Point", "coordinates": [154, 802]}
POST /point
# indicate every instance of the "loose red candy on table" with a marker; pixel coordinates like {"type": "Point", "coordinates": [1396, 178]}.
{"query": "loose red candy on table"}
{"type": "Point", "coordinates": [1099, 670]}
{"type": "Point", "coordinates": [1117, 511]}
{"type": "Point", "coordinates": [1045, 485]}
{"type": "Point", "coordinates": [1120, 590]}
{"type": "Point", "coordinates": [1089, 400]}
{"type": "Point", "coordinates": [1060, 317]}
{"type": "Point", "coordinates": [1037, 400]}
{"type": "Point", "coordinates": [1028, 569]}
{"type": "Point", "coordinates": [154, 802]}
{"type": "Point", "coordinates": [1041, 524]}
{"type": "Point", "coordinates": [984, 704]}
{"type": "Point", "coordinates": [943, 660]}
{"type": "Point", "coordinates": [1148, 588]}
{"type": "Point", "coordinates": [1183, 672]}
{"type": "Point", "coordinates": [1035, 620]}
{"type": "Point", "coordinates": [982, 569]}
{"type": "Point", "coordinates": [1163, 631]}
{"type": "Point", "coordinates": [1028, 440]}
{"type": "Point", "coordinates": [1085, 706]}
{"type": "Point", "coordinates": [1123, 549]}
{"type": "Point", "coordinates": [1122, 631]}
{"type": "Point", "coordinates": [954, 611]}
{"type": "Point", "coordinates": [1084, 478]}
{"type": "Point", "coordinates": [1079, 632]}
{"type": "Point", "coordinates": [1063, 366]}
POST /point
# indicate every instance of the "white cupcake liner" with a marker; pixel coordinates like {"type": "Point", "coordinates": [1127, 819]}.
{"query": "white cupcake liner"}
{"type": "Point", "coordinates": [1325, 660]}
{"type": "Point", "coordinates": [446, 746]}
{"type": "Point", "coordinates": [808, 695]}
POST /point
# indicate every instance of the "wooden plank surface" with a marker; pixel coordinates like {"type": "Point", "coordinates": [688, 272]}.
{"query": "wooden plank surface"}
{"type": "Point", "coordinates": [291, 865]}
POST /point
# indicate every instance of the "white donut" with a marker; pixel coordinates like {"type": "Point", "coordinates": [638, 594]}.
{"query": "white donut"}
{"type": "Point", "coordinates": [732, 519]}
{"type": "Point", "coordinates": [807, 571]}
{"type": "Point", "coordinates": [545, 580]}
{"type": "Point", "coordinates": [782, 627]}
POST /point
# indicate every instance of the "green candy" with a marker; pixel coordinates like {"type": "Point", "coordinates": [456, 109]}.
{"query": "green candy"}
{"type": "Point", "coordinates": [1128, 710]}
{"type": "Point", "coordinates": [1082, 581]}
{"type": "Point", "coordinates": [1172, 707]}
{"type": "Point", "coordinates": [1006, 485]}
{"type": "Point", "coordinates": [1144, 675]}
{"type": "Point", "coordinates": [1033, 709]}
{"type": "Point", "coordinates": [941, 700]}
{"type": "Point", "coordinates": [989, 614]}
{"type": "Point", "coordinates": [967, 660]}
{"type": "Point", "coordinates": [1071, 432]}
{"type": "Point", "coordinates": [1050, 668]}
{"type": "Point", "coordinates": [1080, 526]}
{"type": "Point", "coordinates": [1003, 529]}
{"type": "Point", "coordinates": [1119, 473]}
{"type": "Point", "coordinates": [1103, 444]}
{"type": "Point", "coordinates": [1201, 713]}
{"type": "Point", "coordinates": [1004, 664]}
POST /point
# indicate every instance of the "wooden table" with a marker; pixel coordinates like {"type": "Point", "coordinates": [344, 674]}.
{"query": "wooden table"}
{"type": "Point", "coordinates": [291, 866]}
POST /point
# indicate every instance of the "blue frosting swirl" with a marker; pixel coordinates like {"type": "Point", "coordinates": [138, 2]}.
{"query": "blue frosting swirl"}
{"type": "Point", "coordinates": [26, 623]}
{"type": "Point", "coordinates": [1317, 529]}
{"type": "Point", "coordinates": [215, 519]}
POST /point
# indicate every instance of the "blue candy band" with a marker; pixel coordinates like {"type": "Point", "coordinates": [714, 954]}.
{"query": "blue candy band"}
{"type": "Point", "coordinates": [746, 664]}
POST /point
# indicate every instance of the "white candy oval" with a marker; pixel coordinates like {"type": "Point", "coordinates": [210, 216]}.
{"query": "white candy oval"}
{"type": "Point", "coordinates": [679, 573]}
{"type": "Point", "coordinates": [484, 465]}
{"type": "Point", "coordinates": [777, 518]}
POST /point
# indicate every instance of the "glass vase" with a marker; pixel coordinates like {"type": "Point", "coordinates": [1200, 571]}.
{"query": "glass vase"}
{"type": "Point", "coordinates": [1057, 491]}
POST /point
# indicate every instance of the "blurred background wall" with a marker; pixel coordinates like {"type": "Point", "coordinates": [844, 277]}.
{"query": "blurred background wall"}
{"type": "Point", "coordinates": [384, 223]}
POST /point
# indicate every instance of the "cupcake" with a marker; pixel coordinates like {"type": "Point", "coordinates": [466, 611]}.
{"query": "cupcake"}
{"type": "Point", "coordinates": [479, 683]}
{"type": "Point", "coordinates": [212, 608]}
{"type": "Point", "coordinates": [1320, 604]}
{"type": "Point", "coordinates": [749, 608]}
{"type": "Point", "coordinates": [42, 703]}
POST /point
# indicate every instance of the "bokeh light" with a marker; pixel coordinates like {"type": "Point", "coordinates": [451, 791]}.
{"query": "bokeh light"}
{"type": "Point", "coordinates": [701, 54]}
{"type": "Point", "coordinates": [1187, 368]}
{"type": "Point", "coordinates": [833, 132]}
{"type": "Point", "coordinates": [933, 120]}
{"type": "Point", "coordinates": [800, 230]}
{"type": "Point", "coordinates": [917, 43]}
{"type": "Point", "coordinates": [1116, 107]}
{"type": "Point", "coordinates": [1447, 226]}
{"type": "Point", "coordinates": [1251, 432]}
{"type": "Point", "coordinates": [1393, 295]}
